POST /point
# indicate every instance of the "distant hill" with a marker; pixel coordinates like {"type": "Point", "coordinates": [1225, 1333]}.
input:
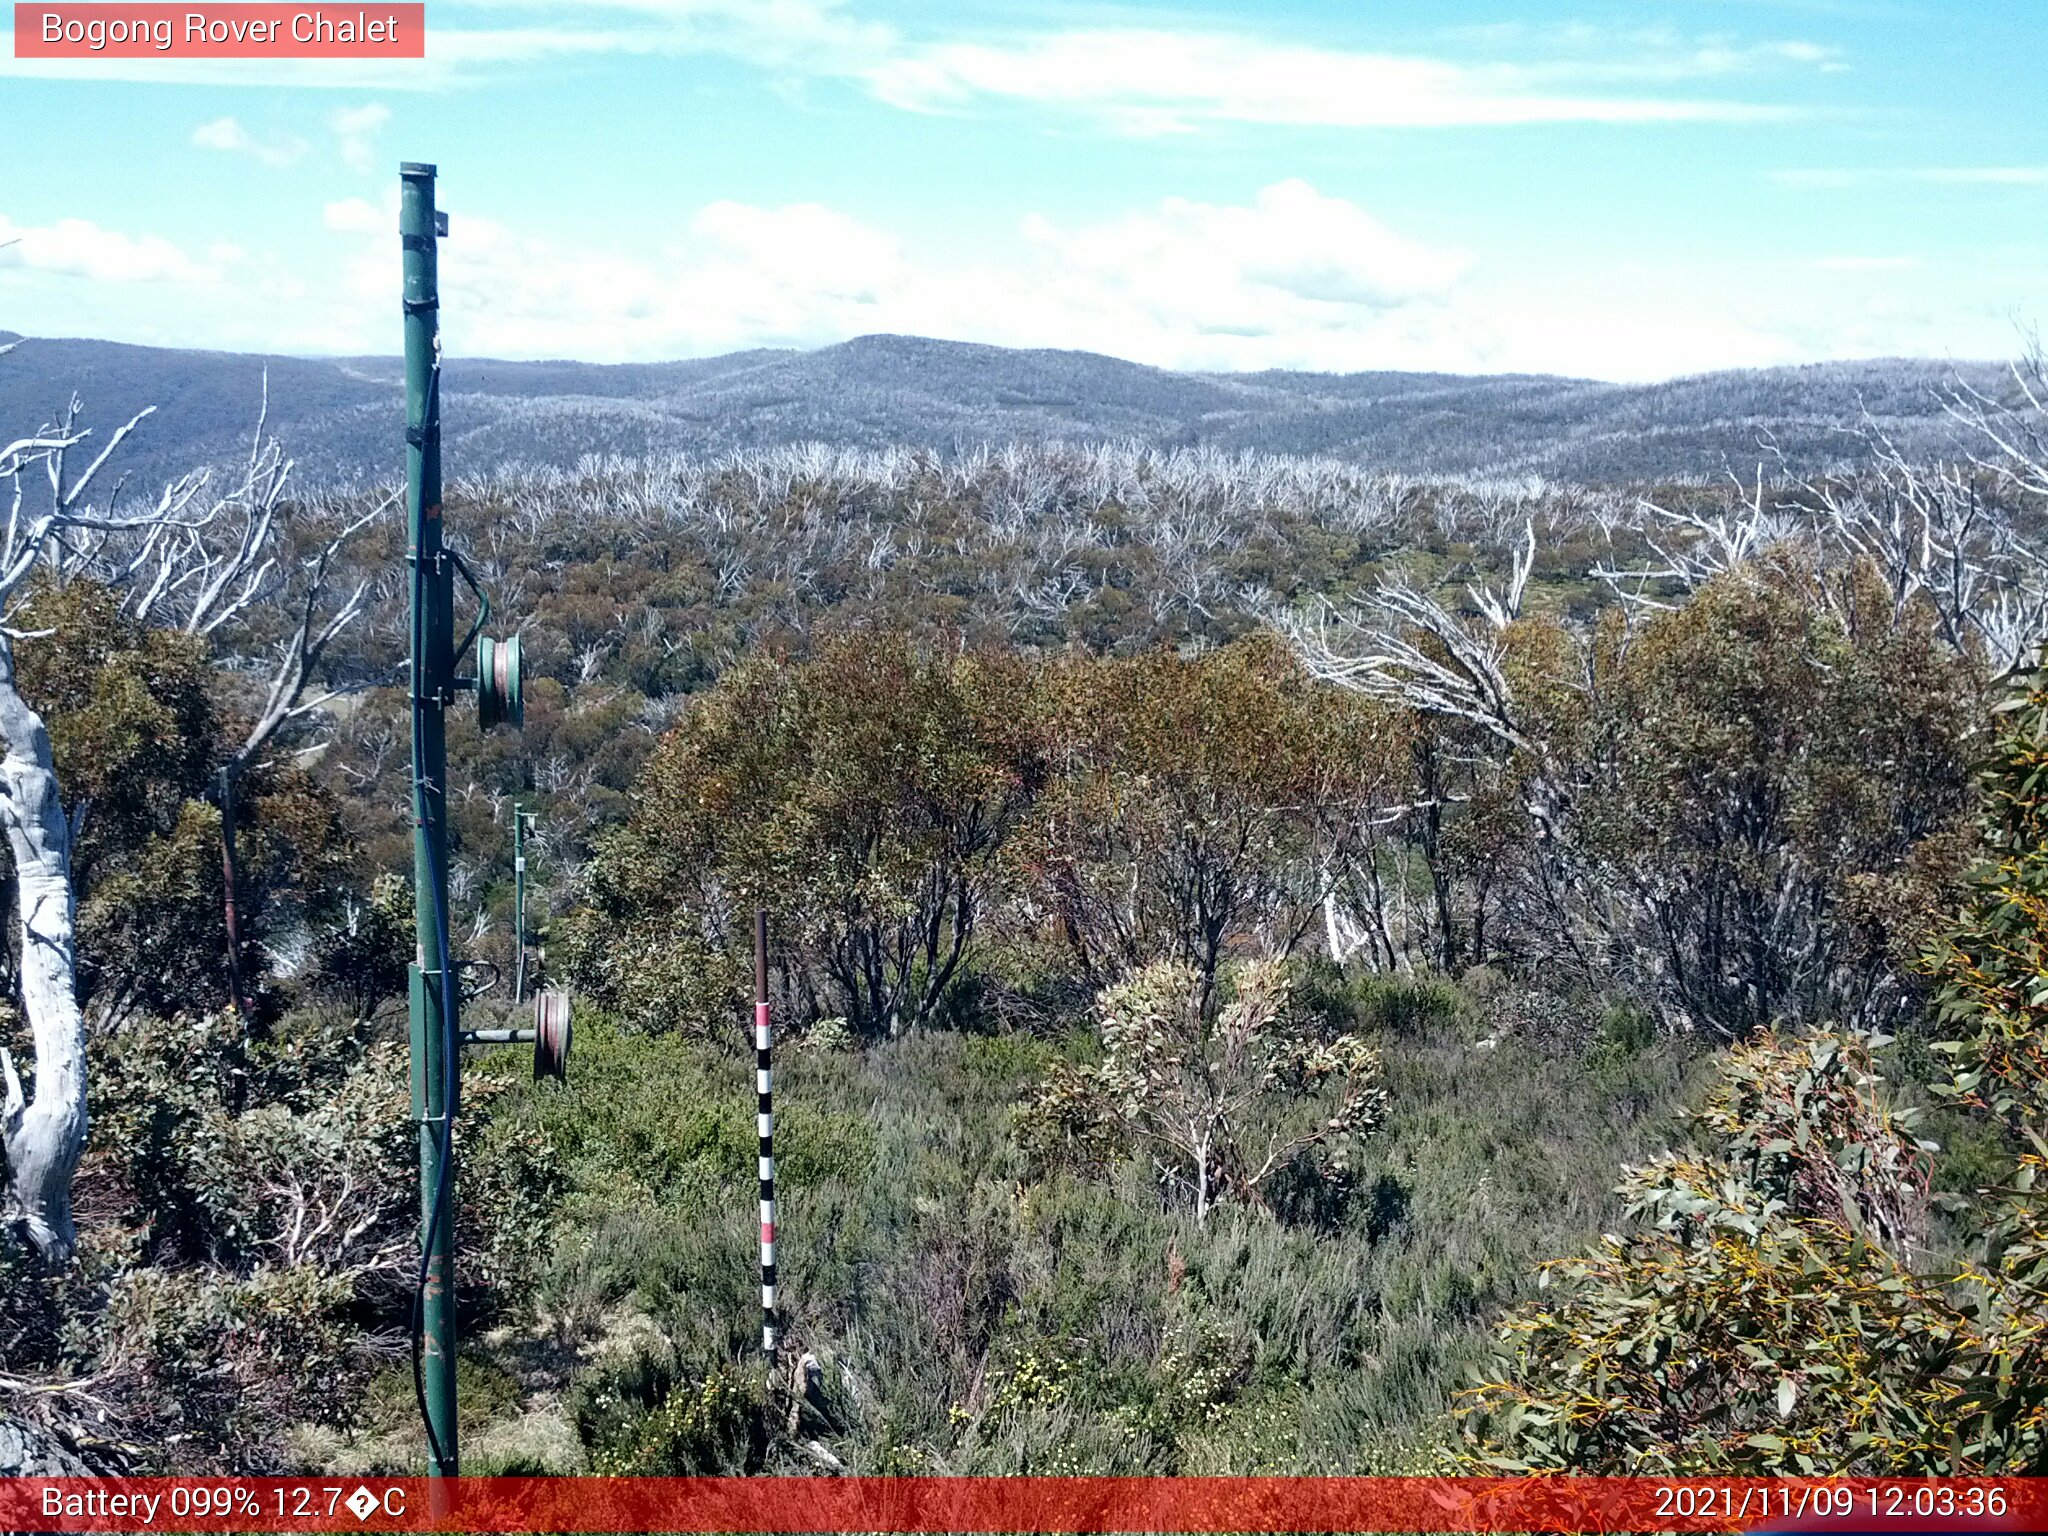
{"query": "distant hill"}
{"type": "Point", "coordinates": [340, 416]}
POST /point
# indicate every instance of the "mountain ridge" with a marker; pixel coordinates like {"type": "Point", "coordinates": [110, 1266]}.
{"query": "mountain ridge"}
{"type": "Point", "coordinates": [338, 416]}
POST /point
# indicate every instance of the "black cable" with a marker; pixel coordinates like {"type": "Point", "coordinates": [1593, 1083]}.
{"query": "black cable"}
{"type": "Point", "coordinates": [451, 1067]}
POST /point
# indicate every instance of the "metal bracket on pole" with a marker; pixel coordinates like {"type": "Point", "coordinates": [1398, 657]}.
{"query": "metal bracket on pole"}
{"type": "Point", "coordinates": [498, 1036]}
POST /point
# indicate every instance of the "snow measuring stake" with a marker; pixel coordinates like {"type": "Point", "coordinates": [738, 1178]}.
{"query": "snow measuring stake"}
{"type": "Point", "coordinates": [764, 1120]}
{"type": "Point", "coordinates": [437, 1034]}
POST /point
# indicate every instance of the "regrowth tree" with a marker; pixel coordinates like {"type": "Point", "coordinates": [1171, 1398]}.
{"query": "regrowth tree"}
{"type": "Point", "coordinates": [1221, 1094]}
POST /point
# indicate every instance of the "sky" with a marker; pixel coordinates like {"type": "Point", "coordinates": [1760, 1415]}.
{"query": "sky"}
{"type": "Point", "coordinates": [1617, 189]}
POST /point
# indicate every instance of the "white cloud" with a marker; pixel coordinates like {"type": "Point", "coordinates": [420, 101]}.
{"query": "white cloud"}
{"type": "Point", "coordinates": [1582, 53]}
{"type": "Point", "coordinates": [355, 132]}
{"type": "Point", "coordinates": [1136, 80]}
{"type": "Point", "coordinates": [364, 74]}
{"type": "Point", "coordinates": [230, 137]}
{"type": "Point", "coordinates": [807, 37]}
{"type": "Point", "coordinates": [801, 275]}
{"type": "Point", "coordinates": [804, 246]}
{"type": "Point", "coordinates": [1292, 278]}
{"type": "Point", "coordinates": [354, 216]}
{"type": "Point", "coordinates": [1155, 80]}
{"type": "Point", "coordinates": [1294, 264]}
{"type": "Point", "coordinates": [1723, 58]}
{"type": "Point", "coordinates": [79, 248]}
{"type": "Point", "coordinates": [221, 133]}
{"type": "Point", "coordinates": [1630, 335]}
{"type": "Point", "coordinates": [1807, 53]}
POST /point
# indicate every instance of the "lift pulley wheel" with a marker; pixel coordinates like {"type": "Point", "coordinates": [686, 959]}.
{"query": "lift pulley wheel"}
{"type": "Point", "coordinates": [500, 694]}
{"type": "Point", "coordinates": [551, 1035]}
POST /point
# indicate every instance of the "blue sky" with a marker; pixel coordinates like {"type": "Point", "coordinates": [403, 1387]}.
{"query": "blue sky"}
{"type": "Point", "coordinates": [1619, 188]}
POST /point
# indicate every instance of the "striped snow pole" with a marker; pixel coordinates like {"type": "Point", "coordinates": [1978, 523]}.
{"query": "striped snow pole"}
{"type": "Point", "coordinates": [764, 1088]}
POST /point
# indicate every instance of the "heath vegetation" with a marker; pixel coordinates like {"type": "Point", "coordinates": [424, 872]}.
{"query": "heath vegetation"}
{"type": "Point", "coordinates": [1283, 968]}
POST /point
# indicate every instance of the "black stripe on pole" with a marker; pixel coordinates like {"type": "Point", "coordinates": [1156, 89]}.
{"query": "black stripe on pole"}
{"type": "Point", "coordinates": [764, 1087]}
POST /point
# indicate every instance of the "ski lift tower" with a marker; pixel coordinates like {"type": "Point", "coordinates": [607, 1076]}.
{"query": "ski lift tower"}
{"type": "Point", "coordinates": [435, 988]}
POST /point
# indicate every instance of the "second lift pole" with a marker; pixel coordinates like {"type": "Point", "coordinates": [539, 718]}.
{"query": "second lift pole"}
{"type": "Point", "coordinates": [519, 820]}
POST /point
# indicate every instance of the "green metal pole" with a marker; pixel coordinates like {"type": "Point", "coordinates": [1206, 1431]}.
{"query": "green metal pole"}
{"type": "Point", "coordinates": [519, 899]}
{"type": "Point", "coordinates": [434, 1064]}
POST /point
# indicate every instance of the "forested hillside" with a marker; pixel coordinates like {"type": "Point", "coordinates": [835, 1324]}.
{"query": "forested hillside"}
{"type": "Point", "coordinates": [906, 391]}
{"type": "Point", "coordinates": [1288, 965]}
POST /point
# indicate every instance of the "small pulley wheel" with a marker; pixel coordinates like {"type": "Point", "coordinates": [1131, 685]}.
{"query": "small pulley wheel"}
{"type": "Point", "coordinates": [500, 691]}
{"type": "Point", "coordinates": [551, 1034]}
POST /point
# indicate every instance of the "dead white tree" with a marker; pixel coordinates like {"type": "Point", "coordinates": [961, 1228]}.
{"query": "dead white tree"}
{"type": "Point", "coordinates": [1402, 646]}
{"type": "Point", "coordinates": [44, 1135]}
{"type": "Point", "coordinates": [214, 576]}
{"type": "Point", "coordinates": [1504, 607]}
{"type": "Point", "coordinates": [1946, 532]}
{"type": "Point", "coordinates": [198, 557]}
{"type": "Point", "coordinates": [2009, 437]}
{"type": "Point", "coordinates": [1692, 548]}
{"type": "Point", "coordinates": [1939, 535]}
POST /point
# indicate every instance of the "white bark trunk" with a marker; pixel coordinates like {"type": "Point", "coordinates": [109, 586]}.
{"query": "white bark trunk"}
{"type": "Point", "coordinates": [44, 1136]}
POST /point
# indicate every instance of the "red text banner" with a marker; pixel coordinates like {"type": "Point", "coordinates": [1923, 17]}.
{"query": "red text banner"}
{"type": "Point", "coordinates": [992, 1504]}
{"type": "Point", "coordinates": [236, 30]}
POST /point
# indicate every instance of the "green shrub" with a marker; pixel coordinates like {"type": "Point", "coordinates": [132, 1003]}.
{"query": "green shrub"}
{"type": "Point", "coordinates": [210, 1367]}
{"type": "Point", "coordinates": [659, 1418]}
{"type": "Point", "coordinates": [271, 1208]}
{"type": "Point", "coordinates": [1627, 1029]}
{"type": "Point", "coordinates": [1406, 1005]}
{"type": "Point", "coordinates": [1225, 1094]}
{"type": "Point", "coordinates": [921, 1261]}
{"type": "Point", "coordinates": [362, 958]}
